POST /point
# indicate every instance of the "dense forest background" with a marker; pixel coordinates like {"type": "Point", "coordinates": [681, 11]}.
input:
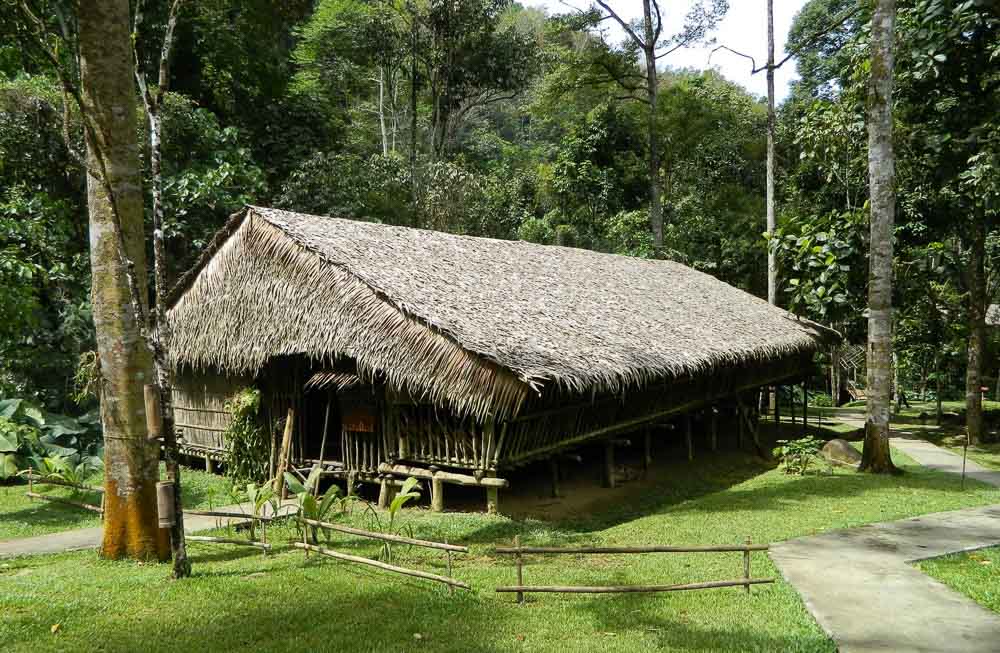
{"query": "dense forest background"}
{"type": "Point", "coordinates": [488, 118]}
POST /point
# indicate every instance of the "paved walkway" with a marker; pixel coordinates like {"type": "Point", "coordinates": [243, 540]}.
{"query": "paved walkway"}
{"type": "Point", "coordinates": [90, 538]}
{"type": "Point", "coordinates": [860, 586]}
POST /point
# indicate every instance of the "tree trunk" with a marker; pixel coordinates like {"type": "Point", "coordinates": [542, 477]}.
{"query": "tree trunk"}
{"type": "Point", "coordinates": [881, 170]}
{"type": "Point", "coordinates": [131, 527]}
{"type": "Point", "coordinates": [652, 93]}
{"type": "Point", "coordinates": [772, 261]}
{"type": "Point", "coordinates": [977, 331]}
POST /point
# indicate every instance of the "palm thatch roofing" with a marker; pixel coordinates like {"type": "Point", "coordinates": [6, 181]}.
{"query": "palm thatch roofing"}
{"type": "Point", "coordinates": [475, 324]}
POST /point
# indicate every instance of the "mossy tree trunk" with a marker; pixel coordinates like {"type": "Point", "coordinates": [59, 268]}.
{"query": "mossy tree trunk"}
{"type": "Point", "coordinates": [881, 171]}
{"type": "Point", "coordinates": [131, 527]}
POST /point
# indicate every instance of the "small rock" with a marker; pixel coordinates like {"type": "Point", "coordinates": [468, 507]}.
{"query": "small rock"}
{"type": "Point", "coordinates": [840, 452]}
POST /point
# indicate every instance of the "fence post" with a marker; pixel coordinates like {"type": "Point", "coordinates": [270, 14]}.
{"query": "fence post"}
{"type": "Point", "coordinates": [746, 565]}
{"type": "Point", "coordinates": [31, 485]}
{"type": "Point", "coordinates": [451, 588]}
{"type": "Point", "coordinates": [519, 563]}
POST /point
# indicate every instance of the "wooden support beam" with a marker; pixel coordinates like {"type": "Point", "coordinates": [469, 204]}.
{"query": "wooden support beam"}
{"type": "Point", "coordinates": [208, 465]}
{"type": "Point", "coordinates": [554, 469]}
{"type": "Point", "coordinates": [805, 409]}
{"type": "Point", "coordinates": [647, 448]}
{"type": "Point", "coordinates": [609, 465]}
{"type": "Point", "coordinates": [493, 495]}
{"type": "Point", "coordinates": [286, 446]}
{"type": "Point", "coordinates": [352, 481]}
{"type": "Point", "coordinates": [385, 492]}
{"type": "Point", "coordinates": [488, 480]}
{"type": "Point", "coordinates": [777, 405]}
{"type": "Point", "coordinates": [739, 424]}
{"type": "Point", "coordinates": [715, 428]}
{"type": "Point", "coordinates": [437, 493]}
{"type": "Point", "coordinates": [687, 436]}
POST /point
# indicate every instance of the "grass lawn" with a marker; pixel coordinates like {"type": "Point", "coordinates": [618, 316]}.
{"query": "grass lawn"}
{"type": "Point", "coordinates": [241, 600]}
{"type": "Point", "coordinates": [24, 517]}
{"type": "Point", "coordinates": [975, 574]}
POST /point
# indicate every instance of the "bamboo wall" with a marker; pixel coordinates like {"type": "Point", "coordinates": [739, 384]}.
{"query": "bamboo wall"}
{"type": "Point", "coordinates": [200, 407]}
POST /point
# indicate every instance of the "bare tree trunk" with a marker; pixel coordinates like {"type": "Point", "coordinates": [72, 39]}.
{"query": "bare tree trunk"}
{"type": "Point", "coordinates": [977, 331]}
{"type": "Point", "coordinates": [652, 93]}
{"type": "Point", "coordinates": [131, 527]}
{"type": "Point", "coordinates": [160, 340]}
{"type": "Point", "coordinates": [381, 111]}
{"type": "Point", "coordinates": [881, 170]}
{"type": "Point", "coordinates": [772, 262]}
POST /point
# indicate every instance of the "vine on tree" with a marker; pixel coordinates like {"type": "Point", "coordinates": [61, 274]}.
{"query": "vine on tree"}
{"type": "Point", "coordinates": [247, 447]}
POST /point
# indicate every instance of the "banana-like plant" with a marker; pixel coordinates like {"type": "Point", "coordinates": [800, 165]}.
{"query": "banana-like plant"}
{"type": "Point", "coordinates": [259, 497]}
{"type": "Point", "coordinates": [312, 507]}
{"type": "Point", "coordinates": [409, 491]}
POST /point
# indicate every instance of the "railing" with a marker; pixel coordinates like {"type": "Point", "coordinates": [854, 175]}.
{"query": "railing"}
{"type": "Point", "coordinates": [521, 589]}
{"type": "Point", "coordinates": [448, 580]}
{"type": "Point", "coordinates": [44, 480]}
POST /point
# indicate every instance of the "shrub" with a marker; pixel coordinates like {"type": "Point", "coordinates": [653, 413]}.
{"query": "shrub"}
{"type": "Point", "coordinates": [797, 456]}
{"type": "Point", "coordinates": [247, 446]}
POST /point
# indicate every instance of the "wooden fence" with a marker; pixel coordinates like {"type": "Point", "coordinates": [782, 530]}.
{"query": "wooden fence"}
{"type": "Point", "coordinates": [34, 479]}
{"type": "Point", "coordinates": [448, 580]}
{"type": "Point", "coordinates": [521, 589]}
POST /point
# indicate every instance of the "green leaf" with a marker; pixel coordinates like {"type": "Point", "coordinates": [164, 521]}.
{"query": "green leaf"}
{"type": "Point", "coordinates": [9, 442]}
{"type": "Point", "coordinates": [8, 407]}
{"type": "Point", "coordinates": [294, 486]}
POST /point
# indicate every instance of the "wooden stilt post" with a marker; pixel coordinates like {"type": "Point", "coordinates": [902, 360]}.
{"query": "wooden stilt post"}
{"type": "Point", "coordinates": [286, 445]}
{"type": "Point", "coordinates": [687, 436]}
{"type": "Point", "coordinates": [647, 447]}
{"type": "Point", "coordinates": [492, 496]}
{"type": "Point", "coordinates": [554, 467]}
{"type": "Point", "coordinates": [352, 482]}
{"type": "Point", "coordinates": [739, 425]}
{"type": "Point", "coordinates": [777, 405]}
{"type": "Point", "coordinates": [437, 494]}
{"type": "Point", "coordinates": [805, 409]}
{"type": "Point", "coordinates": [208, 464]}
{"type": "Point", "coordinates": [322, 444]}
{"type": "Point", "coordinates": [609, 464]}
{"type": "Point", "coordinates": [384, 492]}
{"type": "Point", "coordinates": [715, 428]}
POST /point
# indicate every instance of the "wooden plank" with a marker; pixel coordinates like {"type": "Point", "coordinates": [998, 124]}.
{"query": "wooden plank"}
{"type": "Point", "coordinates": [399, 539]}
{"type": "Point", "coordinates": [620, 589]}
{"type": "Point", "coordinates": [446, 477]}
{"type": "Point", "coordinates": [631, 549]}
{"type": "Point", "coordinates": [382, 565]}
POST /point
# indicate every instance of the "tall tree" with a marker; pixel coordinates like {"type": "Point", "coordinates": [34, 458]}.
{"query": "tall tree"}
{"type": "Point", "coordinates": [118, 264]}
{"type": "Point", "coordinates": [702, 18]}
{"type": "Point", "coordinates": [772, 261]}
{"type": "Point", "coordinates": [881, 171]}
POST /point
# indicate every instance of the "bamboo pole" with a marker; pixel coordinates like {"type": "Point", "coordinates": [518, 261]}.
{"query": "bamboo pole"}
{"type": "Point", "coordinates": [516, 550]}
{"type": "Point", "coordinates": [286, 443]}
{"type": "Point", "coordinates": [399, 539]}
{"type": "Point", "coordinates": [381, 565]}
{"type": "Point", "coordinates": [69, 502]}
{"type": "Point", "coordinates": [322, 444]}
{"type": "Point", "coordinates": [228, 540]}
{"type": "Point", "coordinates": [446, 477]}
{"type": "Point", "coordinates": [437, 493]}
{"type": "Point", "coordinates": [609, 465]}
{"type": "Point", "coordinates": [619, 589]}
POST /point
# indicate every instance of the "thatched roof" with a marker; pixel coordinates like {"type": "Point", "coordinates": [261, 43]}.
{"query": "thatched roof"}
{"type": "Point", "coordinates": [474, 323]}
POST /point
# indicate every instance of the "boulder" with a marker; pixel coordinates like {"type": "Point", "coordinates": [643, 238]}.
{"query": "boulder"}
{"type": "Point", "coordinates": [840, 452]}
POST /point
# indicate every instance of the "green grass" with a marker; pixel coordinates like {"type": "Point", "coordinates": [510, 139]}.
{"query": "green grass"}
{"type": "Point", "coordinates": [975, 574]}
{"type": "Point", "coordinates": [952, 438]}
{"type": "Point", "coordinates": [241, 600]}
{"type": "Point", "coordinates": [24, 517]}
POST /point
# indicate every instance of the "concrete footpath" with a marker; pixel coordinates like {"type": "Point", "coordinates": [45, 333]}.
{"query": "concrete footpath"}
{"type": "Point", "coordinates": [860, 586]}
{"type": "Point", "coordinates": [90, 538]}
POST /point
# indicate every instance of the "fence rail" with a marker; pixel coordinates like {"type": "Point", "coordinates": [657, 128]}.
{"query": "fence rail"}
{"type": "Point", "coordinates": [448, 580]}
{"type": "Point", "coordinates": [35, 479]}
{"type": "Point", "coordinates": [521, 589]}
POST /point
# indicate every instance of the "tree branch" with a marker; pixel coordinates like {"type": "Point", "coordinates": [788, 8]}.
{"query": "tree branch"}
{"type": "Point", "coordinates": [624, 25]}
